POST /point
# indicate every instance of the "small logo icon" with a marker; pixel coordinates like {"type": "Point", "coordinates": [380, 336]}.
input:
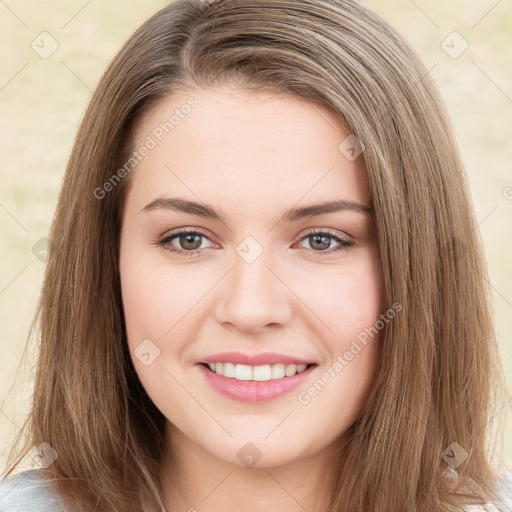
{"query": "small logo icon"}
{"type": "Point", "coordinates": [44, 45]}
{"type": "Point", "coordinates": [40, 249]}
{"type": "Point", "coordinates": [249, 249]}
{"type": "Point", "coordinates": [454, 45]}
{"type": "Point", "coordinates": [351, 147]}
{"type": "Point", "coordinates": [146, 352]}
{"type": "Point", "coordinates": [43, 455]}
{"type": "Point", "coordinates": [454, 455]}
{"type": "Point", "coordinates": [249, 455]}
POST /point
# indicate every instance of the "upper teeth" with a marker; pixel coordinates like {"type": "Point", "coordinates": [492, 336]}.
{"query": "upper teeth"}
{"type": "Point", "coordinates": [263, 372]}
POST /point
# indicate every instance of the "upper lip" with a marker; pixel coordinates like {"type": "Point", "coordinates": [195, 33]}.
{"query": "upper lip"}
{"type": "Point", "coordinates": [254, 359]}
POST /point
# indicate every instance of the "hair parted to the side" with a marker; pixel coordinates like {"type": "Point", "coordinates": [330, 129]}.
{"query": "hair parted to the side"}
{"type": "Point", "coordinates": [439, 373]}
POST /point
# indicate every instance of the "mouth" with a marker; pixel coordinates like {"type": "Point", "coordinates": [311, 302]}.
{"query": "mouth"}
{"type": "Point", "coordinates": [255, 384]}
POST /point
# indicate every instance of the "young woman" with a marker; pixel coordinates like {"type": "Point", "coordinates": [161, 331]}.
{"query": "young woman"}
{"type": "Point", "coordinates": [265, 287]}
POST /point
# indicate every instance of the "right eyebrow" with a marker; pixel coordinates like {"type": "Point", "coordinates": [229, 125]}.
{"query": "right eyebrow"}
{"type": "Point", "coordinates": [183, 205]}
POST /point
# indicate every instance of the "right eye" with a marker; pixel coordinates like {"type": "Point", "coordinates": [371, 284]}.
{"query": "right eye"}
{"type": "Point", "coordinates": [188, 240]}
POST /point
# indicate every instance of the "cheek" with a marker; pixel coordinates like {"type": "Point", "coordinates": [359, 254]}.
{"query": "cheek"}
{"type": "Point", "coordinates": [146, 295]}
{"type": "Point", "coordinates": [138, 298]}
{"type": "Point", "coordinates": [361, 303]}
{"type": "Point", "coordinates": [153, 306]}
{"type": "Point", "coordinates": [361, 327]}
{"type": "Point", "coordinates": [351, 304]}
{"type": "Point", "coordinates": [155, 296]}
{"type": "Point", "coordinates": [344, 300]}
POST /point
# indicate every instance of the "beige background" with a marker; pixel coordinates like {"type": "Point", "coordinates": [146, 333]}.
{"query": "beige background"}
{"type": "Point", "coordinates": [42, 102]}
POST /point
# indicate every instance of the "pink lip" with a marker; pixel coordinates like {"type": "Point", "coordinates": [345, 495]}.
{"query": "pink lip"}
{"type": "Point", "coordinates": [254, 391]}
{"type": "Point", "coordinates": [253, 359]}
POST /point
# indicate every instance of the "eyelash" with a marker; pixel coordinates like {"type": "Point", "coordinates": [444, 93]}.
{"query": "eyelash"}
{"type": "Point", "coordinates": [344, 244]}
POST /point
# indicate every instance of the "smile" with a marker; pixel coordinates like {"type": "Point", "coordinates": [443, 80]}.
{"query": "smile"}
{"type": "Point", "coordinates": [255, 384]}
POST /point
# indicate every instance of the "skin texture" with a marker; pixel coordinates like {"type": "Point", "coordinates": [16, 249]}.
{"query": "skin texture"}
{"type": "Point", "coordinates": [251, 156]}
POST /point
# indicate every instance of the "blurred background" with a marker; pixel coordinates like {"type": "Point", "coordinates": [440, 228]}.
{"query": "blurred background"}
{"type": "Point", "coordinates": [52, 54]}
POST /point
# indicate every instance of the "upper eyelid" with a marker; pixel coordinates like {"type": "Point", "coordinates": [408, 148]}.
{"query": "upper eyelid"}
{"type": "Point", "coordinates": [179, 231]}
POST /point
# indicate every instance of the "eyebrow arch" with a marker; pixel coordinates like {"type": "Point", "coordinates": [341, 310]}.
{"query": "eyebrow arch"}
{"type": "Point", "coordinates": [313, 210]}
{"type": "Point", "coordinates": [290, 215]}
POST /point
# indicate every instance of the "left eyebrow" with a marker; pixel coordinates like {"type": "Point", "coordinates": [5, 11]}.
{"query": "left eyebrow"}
{"type": "Point", "coordinates": [292, 214]}
{"type": "Point", "coordinates": [323, 208]}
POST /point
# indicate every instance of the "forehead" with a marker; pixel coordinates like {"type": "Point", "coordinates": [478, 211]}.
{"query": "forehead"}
{"type": "Point", "coordinates": [244, 148]}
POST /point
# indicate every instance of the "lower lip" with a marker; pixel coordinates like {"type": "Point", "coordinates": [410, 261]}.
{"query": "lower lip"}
{"type": "Point", "coordinates": [254, 391]}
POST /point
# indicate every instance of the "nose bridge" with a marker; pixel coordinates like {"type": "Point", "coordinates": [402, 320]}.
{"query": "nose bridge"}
{"type": "Point", "coordinates": [254, 296]}
{"type": "Point", "coordinates": [251, 276]}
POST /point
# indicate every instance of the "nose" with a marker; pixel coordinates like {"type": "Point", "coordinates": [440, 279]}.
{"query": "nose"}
{"type": "Point", "coordinates": [254, 295]}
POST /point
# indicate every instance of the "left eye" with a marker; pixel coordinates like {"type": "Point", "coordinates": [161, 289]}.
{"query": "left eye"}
{"type": "Point", "coordinates": [322, 240]}
{"type": "Point", "coordinates": [190, 242]}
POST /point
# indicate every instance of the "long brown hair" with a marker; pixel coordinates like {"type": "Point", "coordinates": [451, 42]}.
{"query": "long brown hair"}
{"type": "Point", "coordinates": [439, 375]}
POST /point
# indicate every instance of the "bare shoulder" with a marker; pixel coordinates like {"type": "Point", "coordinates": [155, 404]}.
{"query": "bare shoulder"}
{"type": "Point", "coordinates": [28, 491]}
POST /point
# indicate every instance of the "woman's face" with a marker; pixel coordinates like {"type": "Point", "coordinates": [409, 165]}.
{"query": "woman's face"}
{"type": "Point", "coordinates": [243, 177]}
